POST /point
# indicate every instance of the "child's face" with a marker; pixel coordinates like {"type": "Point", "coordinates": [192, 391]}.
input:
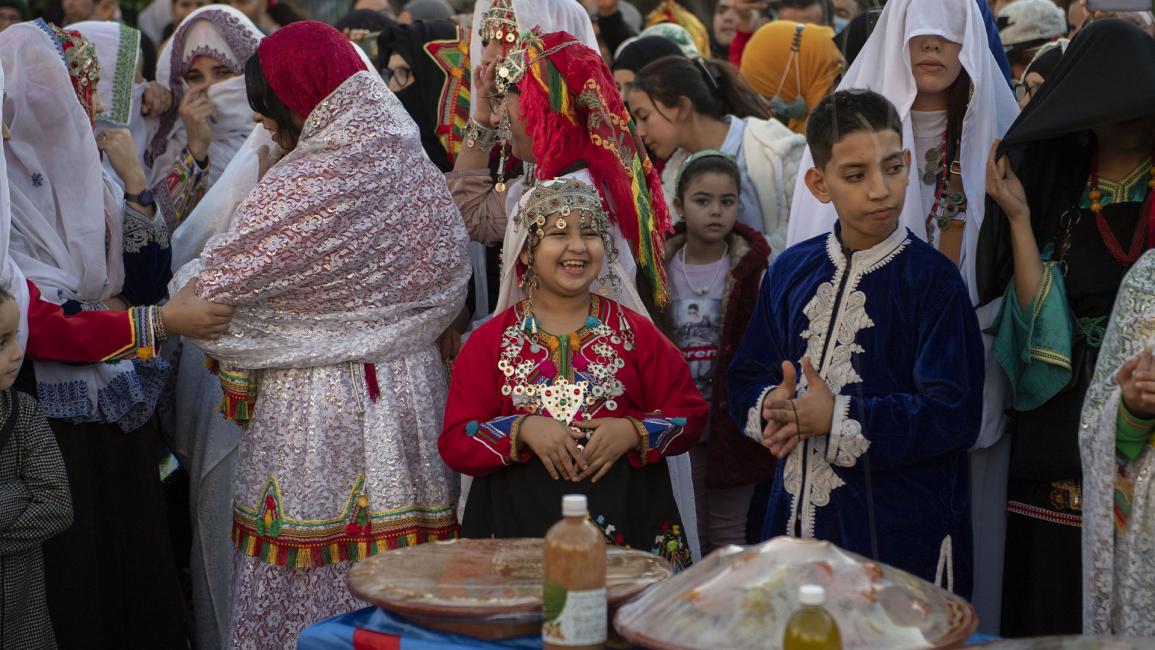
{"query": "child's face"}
{"type": "Point", "coordinates": [11, 356]}
{"type": "Point", "coordinates": [934, 62]}
{"type": "Point", "coordinates": [569, 257]}
{"type": "Point", "coordinates": [866, 180]}
{"type": "Point", "coordinates": [658, 133]}
{"type": "Point", "coordinates": [709, 206]}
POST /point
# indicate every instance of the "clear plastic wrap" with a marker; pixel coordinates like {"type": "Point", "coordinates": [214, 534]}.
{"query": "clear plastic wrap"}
{"type": "Point", "coordinates": [485, 588]}
{"type": "Point", "coordinates": [742, 597]}
{"type": "Point", "coordinates": [1073, 643]}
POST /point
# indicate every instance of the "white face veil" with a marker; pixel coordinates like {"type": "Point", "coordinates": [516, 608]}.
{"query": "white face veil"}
{"type": "Point", "coordinates": [550, 15]}
{"type": "Point", "coordinates": [62, 238]}
{"type": "Point", "coordinates": [118, 50]}
{"type": "Point", "coordinates": [11, 279]}
{"type": "Point", "coordinates": [228, 36]}
{"type": "Point", "coordinates": [884, 67]}
{"type": "Point", "coordinates": [66, 225]}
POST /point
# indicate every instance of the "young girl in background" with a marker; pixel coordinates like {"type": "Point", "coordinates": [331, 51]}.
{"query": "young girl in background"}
{"type": "Point", "coordinates": [683, 106]}
{"type": "Point", "coordinates": [714, 265]}
{"type": "Point", "coordinates": [549, 397]}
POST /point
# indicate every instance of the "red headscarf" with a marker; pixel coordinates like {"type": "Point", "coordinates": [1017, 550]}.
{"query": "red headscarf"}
{"type": "Point", "coordinates": [305, 62]}
{"type": "Point", "coordinates": [574, 114]}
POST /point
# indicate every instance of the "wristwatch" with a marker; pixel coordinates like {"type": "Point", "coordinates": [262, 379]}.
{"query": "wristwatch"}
{"type": "Point", "coordinates": [145, 198]}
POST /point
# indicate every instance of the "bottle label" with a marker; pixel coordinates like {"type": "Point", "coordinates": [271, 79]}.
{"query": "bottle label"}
{"type": "Point", "coordinates": [573, 617]}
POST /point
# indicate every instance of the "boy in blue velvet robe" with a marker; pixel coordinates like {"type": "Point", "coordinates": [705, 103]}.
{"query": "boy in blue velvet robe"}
{"type": "Point", "coordinates": [862, 368]}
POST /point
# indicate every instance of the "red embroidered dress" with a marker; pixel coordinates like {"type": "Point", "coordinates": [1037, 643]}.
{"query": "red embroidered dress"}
{"type": "Point", "coordinates": [617, 366]}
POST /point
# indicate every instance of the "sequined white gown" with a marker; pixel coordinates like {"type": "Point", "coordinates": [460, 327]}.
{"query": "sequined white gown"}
{"type": "Point", "coordinates": [340, 459]}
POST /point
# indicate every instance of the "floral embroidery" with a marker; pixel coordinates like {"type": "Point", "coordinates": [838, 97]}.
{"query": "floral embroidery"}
{"type": "Point", "coordinates": [123, 74]}
{"type": "Point", "coordinates": [609, 531]}
{"type": "Point", "coordinates": [670, 544]}
{"type": "Point", "coordinates": [37, 179]}
{"type": "Point", "coordinates": [847, 443]}
{"type": "Point", "coordinates": [141, 230]}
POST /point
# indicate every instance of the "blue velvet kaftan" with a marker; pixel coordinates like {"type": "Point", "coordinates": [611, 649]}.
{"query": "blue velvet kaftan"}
{"type": "Point", "coordinates": [906, 369]}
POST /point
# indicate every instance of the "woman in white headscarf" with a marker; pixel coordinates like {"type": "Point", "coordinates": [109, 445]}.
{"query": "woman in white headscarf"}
{"type": "Point", "coordinates": [122, 84]}
{"type": "Point", "coordinates": [111, 579]}
{"type": "Point", "coordinates": [920, 57]}
{"type": "Point", "coordinates": [203, 66]}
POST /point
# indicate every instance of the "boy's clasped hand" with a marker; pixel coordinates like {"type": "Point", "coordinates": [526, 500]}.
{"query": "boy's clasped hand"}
{"type": "Point", "coordinates": [790, 418]}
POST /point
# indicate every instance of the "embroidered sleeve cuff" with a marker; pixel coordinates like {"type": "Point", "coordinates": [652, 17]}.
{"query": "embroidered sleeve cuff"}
{"type": "Point", "coordinates": [497, 436]}
{"type": "Point", "coordinates": [185, 185]}
{"type": "Point", "coordinates": [754, 422]}
{"type": "Point", "coordinates": [845, 443]}
{"type": "Point", "coordinates": [1131, 432]}
{"type": "Point", "coordinates": [658, 434]}
{"type": "Point", "coordinates": [145, 330]}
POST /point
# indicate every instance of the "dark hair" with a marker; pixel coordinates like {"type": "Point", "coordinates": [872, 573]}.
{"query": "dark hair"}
{"type": "Point", "coordinates": [714, 88]}
{"type": "Point", "coordinates": [958, 99]}
{"type": "Point", "coordinates": [283, 13]}
{"type": "Point", "coordinates": [827, 7]}
{"type": "Point", "coordinates": [369, 19]}
{"type": "Point", "coordinates": [263, 100]}
{"type": "Point", "coordinates": [708, 165]}
{"type": "Point", "coordinates": [845, 112]}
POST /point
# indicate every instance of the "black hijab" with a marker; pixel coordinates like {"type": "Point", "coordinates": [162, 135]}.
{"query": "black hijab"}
{"type": "Point", "coordinates": [1045, 62]}
{"type": "Point", "coordinates": [431, 49]}
{"type": "Point", "coordinates": [1107, 76]}
{"type": "Point", "coordinates": [640, 51]}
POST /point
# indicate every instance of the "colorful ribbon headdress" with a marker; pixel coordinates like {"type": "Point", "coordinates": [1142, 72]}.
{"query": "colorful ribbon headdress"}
{"type": "Point", "coordinates": [79, 56]}
{"type": "Point", "coordinates": [574, 115]}
{"type": "Point", "coordinates": [672, 12]}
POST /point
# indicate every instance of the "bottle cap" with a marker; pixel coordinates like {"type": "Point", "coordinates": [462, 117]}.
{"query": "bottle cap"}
{"type": "Point", "coordinates": [574, 505]}
{"type": "Point", "coordinates": [812, 595]}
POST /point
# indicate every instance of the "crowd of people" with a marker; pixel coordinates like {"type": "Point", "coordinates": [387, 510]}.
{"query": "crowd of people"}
{"type": "Point", "coordinates": [282, 293]}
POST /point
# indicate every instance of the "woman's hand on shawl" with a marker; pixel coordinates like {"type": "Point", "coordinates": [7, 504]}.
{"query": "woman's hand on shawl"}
{"type": "Point", "coordinates": [449, 344]}
{"type": "Point", "coordinates": [555, 444]}
{"type": "Point", "coordinates": [188, 314]}
{"type": "Point", "coordinates": [267, 157]}
{"type": "Point", "coordinates": [610, 439]}
{"type": "Point", "coordinates": [117, 144]}
{"type": "Point", "coordinates": [1137, 380]}
{"type": "Point", "coordinates": [156, 100]}
{"type": "Point", "coordinates": [1004, 186]}
{"type": "Point", "coordinates": [802, 417]}
{"type": "Point", "coordinates": [197, 111]}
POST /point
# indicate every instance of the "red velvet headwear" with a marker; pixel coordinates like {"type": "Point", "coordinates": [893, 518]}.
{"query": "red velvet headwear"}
{"type": "Point", "coordinates": [305, 62]}
{"type": "Point", "coordinates": [574, 114]}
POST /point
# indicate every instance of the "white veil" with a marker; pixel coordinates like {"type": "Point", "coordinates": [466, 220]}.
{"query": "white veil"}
{"type": "Point", "coordinates": [884, 67]}
{"type": "Point", "coordinates": [11, 279]}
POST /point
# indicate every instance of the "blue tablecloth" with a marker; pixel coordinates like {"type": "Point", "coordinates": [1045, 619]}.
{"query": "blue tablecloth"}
{"type": "Point", "coordinates": [373, 629]}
